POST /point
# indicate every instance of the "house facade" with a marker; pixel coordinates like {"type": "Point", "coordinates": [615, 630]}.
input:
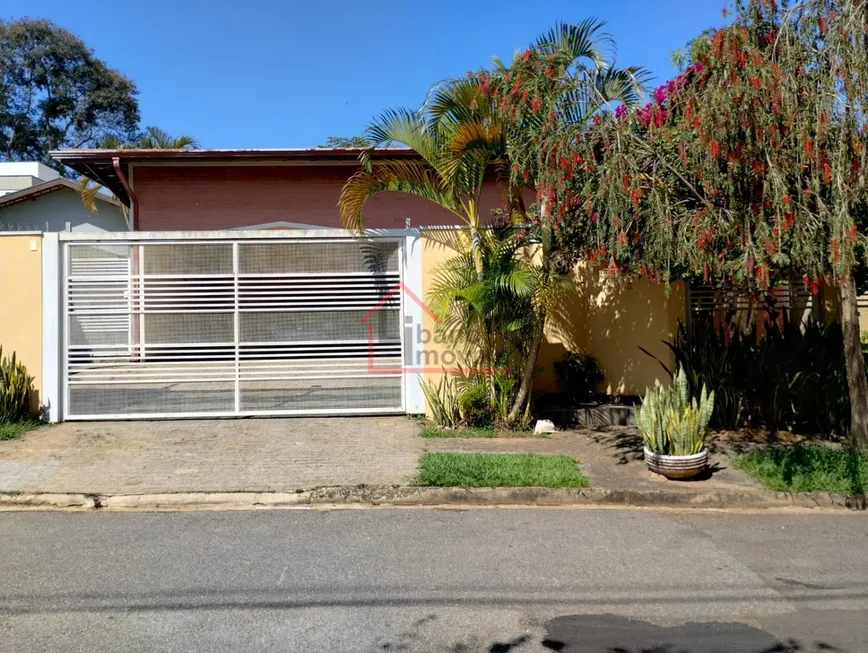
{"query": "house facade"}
{"type": "Point", "coordinates": [34, 197]}
{"type": "Point", "coordinates": [207, 190]}
{"type": "Point", "coordinates": [236, 292]}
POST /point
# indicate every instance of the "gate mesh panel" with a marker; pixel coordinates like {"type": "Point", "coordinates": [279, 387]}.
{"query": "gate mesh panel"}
{"type": "Point", "coordinates": [215, 328]}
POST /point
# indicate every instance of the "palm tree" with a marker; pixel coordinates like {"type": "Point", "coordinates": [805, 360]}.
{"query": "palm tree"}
{"type": "Point", "coordinates": [460, 134]}
{"type": "Point", "coordinates": [153, 138]}
{"type": "Point", "coordinates": [586, 83]}
{"type": "Point", "coordinates": [454, 183]}
{"type": "Point", "coordinates": [487, 318]}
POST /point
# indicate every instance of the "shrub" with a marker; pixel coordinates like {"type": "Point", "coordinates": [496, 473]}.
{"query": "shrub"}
{"type": "Point", "coordinates": [475, 408]}
{"type": "Point", "coordinates": [578, 374]}
{"type": "Point", "coordinates": [14, 389]}
{"type": "Point", "coordinates": [671, 421]}
{"type": "Point", "coordinates": [790, 377]}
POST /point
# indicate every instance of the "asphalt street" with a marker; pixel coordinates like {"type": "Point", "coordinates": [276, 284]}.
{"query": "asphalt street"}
{"type": "Point", "coordinates": [456, 581]}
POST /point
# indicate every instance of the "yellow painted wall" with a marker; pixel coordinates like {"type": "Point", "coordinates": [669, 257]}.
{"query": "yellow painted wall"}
{"type": "Point", "coordinates": [610, 319]}
{"type": "Point", "coordinates": [624, 316]}
{"type": "Point", "coordinates": [21, 303]}
{"type": "Point", "coordinates": [437, 246]}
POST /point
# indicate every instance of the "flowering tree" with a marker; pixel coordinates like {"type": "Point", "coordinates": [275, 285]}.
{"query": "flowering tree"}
{"type": "Point", "coordinates": [553, 88]}
{"type": "Point", "coordinates": [747, 168]}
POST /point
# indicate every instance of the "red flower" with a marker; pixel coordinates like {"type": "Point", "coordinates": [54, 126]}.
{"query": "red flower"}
{"type": "Point", "coordinates": [536, 104]}
{"type": "Point", "coordinates": [714, 148]}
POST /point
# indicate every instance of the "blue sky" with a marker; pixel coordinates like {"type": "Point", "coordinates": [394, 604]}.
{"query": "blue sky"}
{"type": "Point", "coordinates": [272, 73]}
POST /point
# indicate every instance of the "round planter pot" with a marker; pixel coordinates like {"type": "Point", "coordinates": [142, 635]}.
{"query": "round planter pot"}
{"type": "Point", "coordinates": [676, 466]}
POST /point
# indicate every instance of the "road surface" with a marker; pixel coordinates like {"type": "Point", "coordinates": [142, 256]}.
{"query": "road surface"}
{"type": "Point", "coordinates": [452, 581]}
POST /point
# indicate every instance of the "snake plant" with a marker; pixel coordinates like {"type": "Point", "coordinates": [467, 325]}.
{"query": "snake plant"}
{"type": "Point", "coordinates": [671, 421]}
{"type": "Point", "coordinates": [14, 389]}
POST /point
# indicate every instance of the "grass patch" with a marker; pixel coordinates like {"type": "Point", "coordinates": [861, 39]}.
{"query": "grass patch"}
{"type": "Point", "coordinates": [475, 432]}
{"type": "Point", "coordinates": [808, 468]}
{"type": "Point", "coordinates": [431, 431]}
{"type": "Point", "coordinates": [12, 430]}
{"type": "Point", "coordinates": [452, 469]}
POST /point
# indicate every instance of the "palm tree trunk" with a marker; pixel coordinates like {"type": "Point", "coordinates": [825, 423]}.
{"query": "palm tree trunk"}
{"type": "Point", "coordinates": [476, 250]}
{"type": "Point", "coordinates": [527, 375]}
{"type": "Point", "coordinates": [489, 363]}
{"type": "Point", "coordinates": [854, 361]}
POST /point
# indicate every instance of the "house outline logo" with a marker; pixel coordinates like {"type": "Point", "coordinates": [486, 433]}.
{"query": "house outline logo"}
{"type": "Point", "coordinates": [400, 287]}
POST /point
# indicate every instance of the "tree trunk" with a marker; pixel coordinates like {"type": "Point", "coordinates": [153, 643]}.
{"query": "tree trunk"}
{"type": "Point", "coordinates": [527, 375]}
{"type": "Point", "coordinates": [476, 251]}
{"type": "Point", "coordinates": [854, 362]}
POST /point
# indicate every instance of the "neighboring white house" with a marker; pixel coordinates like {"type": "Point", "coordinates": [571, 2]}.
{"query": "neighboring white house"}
{"type": "Point", "coordinates": [34, 197]}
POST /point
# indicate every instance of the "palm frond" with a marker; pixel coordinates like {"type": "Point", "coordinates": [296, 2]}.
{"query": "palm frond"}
{"type": "Point", "coordinates": [402, 127]}
{"type": "Point", "coordinates": [111, 142]}
{"type": "Point", "coordinates": [583, 40]}
{"type": "Point", "coordinates": [88, 191]}
{"type": "Point", "coordinates": [155, 138]}
{"type": "Point", "coordinates": [472, 144]}
{"type": "Point", "coordinates": [412, 177]}
{"type": "Point", "coordinates": [457, 100]}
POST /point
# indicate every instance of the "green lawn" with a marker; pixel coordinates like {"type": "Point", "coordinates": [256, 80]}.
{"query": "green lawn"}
{"type": "Point", "coordinates": [440, 432]}
{"type": "Point", "coordinates": [12, 430]}
{"type": "Point", "coordinates": [452, 469]}
{"type": "Point", "coordinates": [808, 468]}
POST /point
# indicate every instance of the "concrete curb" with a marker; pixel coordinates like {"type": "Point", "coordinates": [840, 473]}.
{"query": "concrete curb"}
{"type": "Point", "coordinates": [434, 496]}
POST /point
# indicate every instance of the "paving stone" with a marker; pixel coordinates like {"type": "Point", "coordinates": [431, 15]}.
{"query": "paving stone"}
{"type": "Point", "coordinates": [247, 455]}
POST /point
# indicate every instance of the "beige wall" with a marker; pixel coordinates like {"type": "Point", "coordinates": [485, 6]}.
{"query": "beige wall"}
{"type": "Point", "coordinates": [21, 303]}
{"type": "Point", "coordinates": [610, 319]}
{"type": "Point", "coordinates": [437, 247]}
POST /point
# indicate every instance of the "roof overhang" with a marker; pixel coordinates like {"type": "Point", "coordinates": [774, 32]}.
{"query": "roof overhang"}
{"type": "Point", "coordinates": [99, 164]}
{"type": "Point", "coordinates": [45, 188]}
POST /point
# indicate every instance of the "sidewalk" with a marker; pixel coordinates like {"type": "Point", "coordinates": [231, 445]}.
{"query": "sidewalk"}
{"type": "Point", "coordinates": [612, 458]}
{"type": "Point", "coordinates": [239, 455]}
{"type": "Point", "coordinates": [354, 460]}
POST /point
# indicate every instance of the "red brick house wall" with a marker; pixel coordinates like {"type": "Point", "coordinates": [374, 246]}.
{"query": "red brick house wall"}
{"type": "Point", "coordinates": [193, 198]}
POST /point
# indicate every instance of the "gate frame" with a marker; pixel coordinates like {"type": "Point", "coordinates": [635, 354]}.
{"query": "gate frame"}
{"type": "Point", "coordinates": [55, 328]}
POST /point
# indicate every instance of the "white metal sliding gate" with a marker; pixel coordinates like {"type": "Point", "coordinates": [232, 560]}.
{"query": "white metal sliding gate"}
{"type": "Point", "coordinates": [221, 327]}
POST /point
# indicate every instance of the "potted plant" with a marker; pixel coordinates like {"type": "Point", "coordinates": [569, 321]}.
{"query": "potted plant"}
{"type": "Point", "coordinates": [674, 426]}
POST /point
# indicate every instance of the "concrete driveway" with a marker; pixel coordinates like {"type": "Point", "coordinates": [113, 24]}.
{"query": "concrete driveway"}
{"type": "Point", "coordinates": [256, 455]}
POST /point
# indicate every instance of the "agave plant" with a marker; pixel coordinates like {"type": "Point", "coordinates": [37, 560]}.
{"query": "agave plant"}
{"type": "Point", "coordinates": [14, 389]}
{"type": "Point", "coordinates": [671, 421]}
